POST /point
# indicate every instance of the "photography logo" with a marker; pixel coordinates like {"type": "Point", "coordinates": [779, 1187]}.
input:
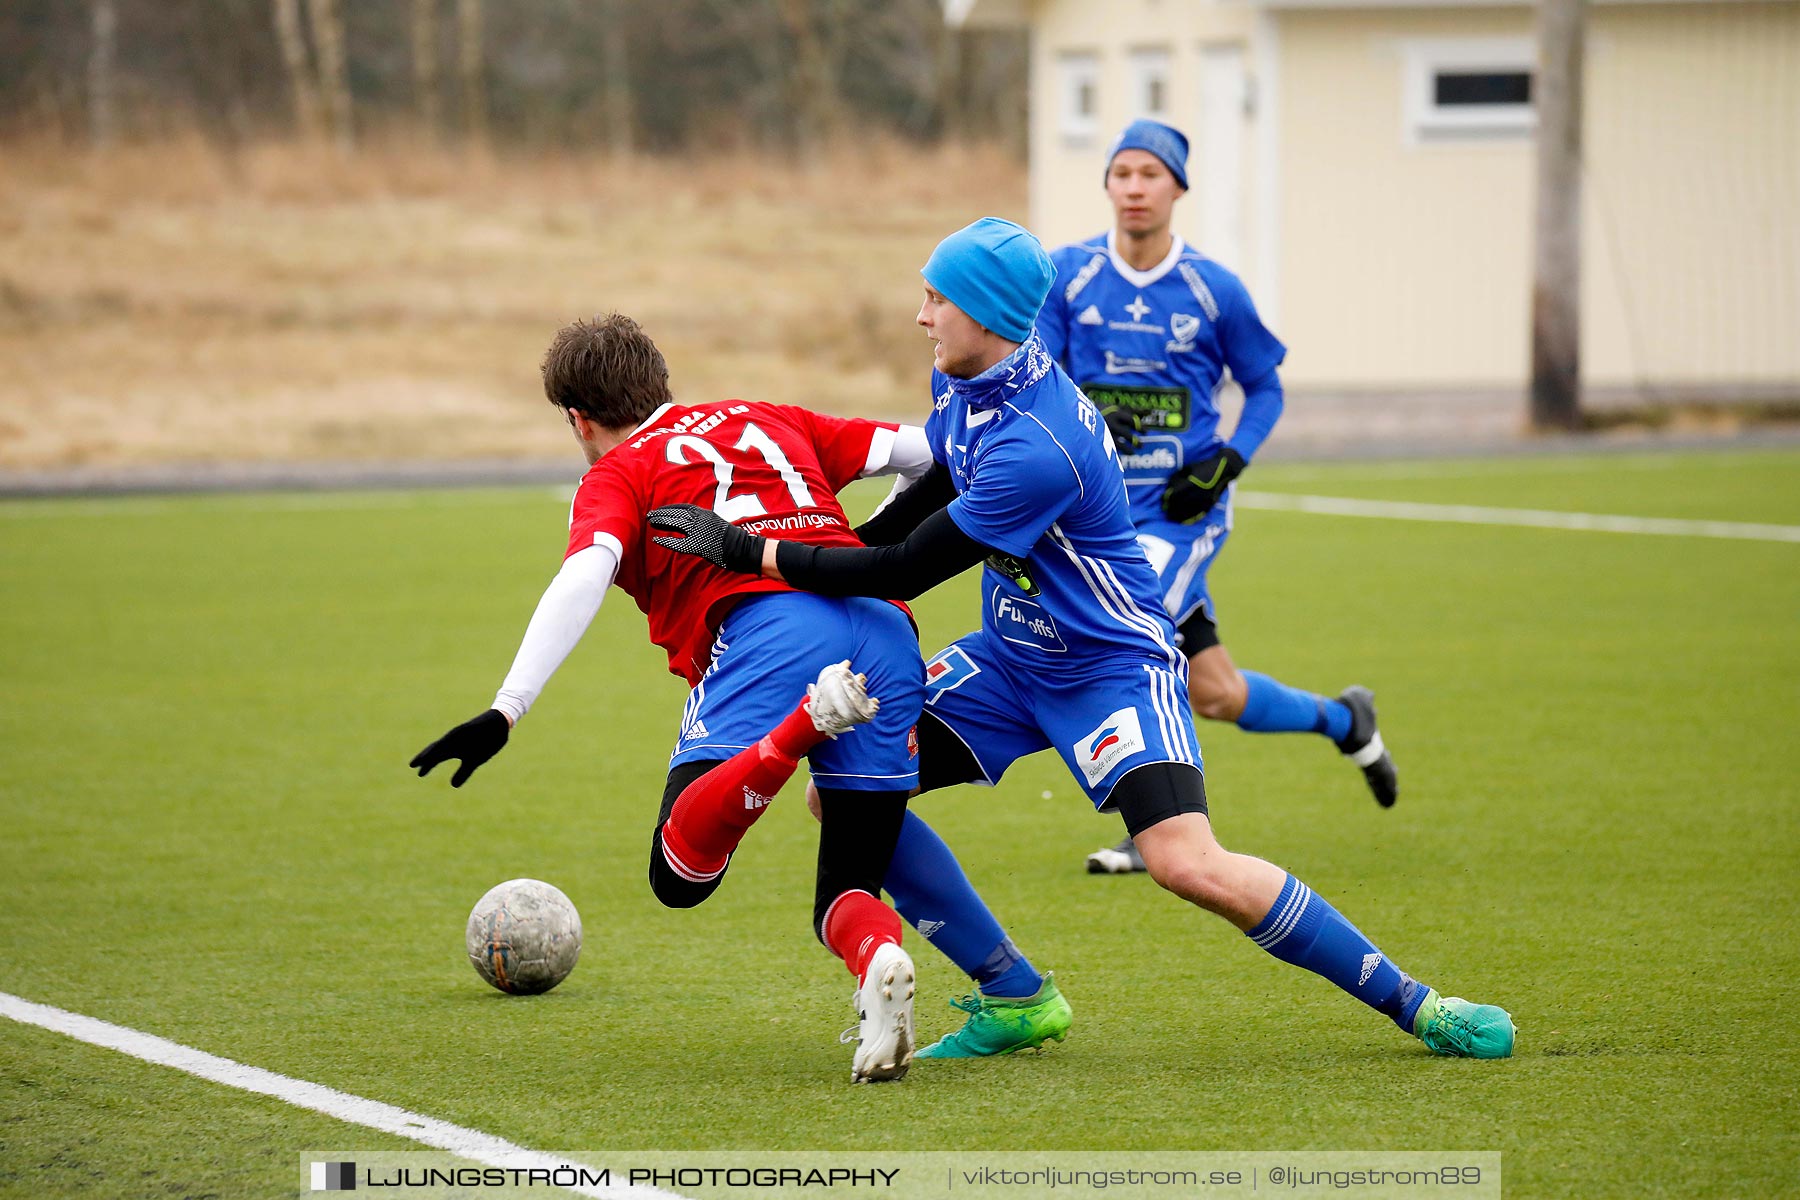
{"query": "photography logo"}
{"type": "Point", "coordinates": [333, 1177]}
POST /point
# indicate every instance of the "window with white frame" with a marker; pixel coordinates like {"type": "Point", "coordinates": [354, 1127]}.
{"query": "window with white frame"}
{"type": "Point", "coordinates": [1468, 89]}
{"type": "Point", "coordinates": [1079, 75]}
{"type": "Point", "coordinates": [1150, 82]}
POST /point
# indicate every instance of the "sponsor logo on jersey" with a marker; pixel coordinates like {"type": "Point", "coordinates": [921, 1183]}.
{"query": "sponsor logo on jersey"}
{"type": "Point", "coordinates": [1090, 316]}
{"type": "Point", "coordinates": [1370, 962]}
{"type": "Point", "coordinates": [1185, 327]}
{"type": "Point", "coordinates": [947, 672]}
{"type": "Point", "coordinates": [793, 521]}
{"type": "Point", "coordinates": [1115, 365]}
{"type": "Point", "coordinates": [1083, 277]}
{"type": "Point", "coordinates": [1024, 623]}
{"type": "Point", "coordinates": [1161, 459]}
{"type": "Point", "coordinates": [1156, 408]}
{"type": "Point", "coordinates": [1116, 739]}
{"type": "Point", "coordinates": [1137, 310]}
{"type": "Point", "coordinates": [1203, 294]}
{"type": "Point", "coordinates": [754, 799]}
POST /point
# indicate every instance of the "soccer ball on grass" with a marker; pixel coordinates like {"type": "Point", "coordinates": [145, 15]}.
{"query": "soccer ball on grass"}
{"type": "Point", "coordinates": [524, 936]}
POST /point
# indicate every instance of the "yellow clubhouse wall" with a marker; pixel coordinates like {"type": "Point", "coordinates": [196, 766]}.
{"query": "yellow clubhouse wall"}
{"type": "Point", "coordinates": [1389, 264]}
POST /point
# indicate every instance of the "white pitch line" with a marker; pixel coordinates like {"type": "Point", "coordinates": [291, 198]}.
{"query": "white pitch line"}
{"type": "Point", "coordinates": [1470, 514]}
{"type": "Point", "coordinates": [471, 1144]}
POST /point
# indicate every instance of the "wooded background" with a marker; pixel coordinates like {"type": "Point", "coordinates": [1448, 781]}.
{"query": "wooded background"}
{"type": "Point", "coordinates": [785, 76]}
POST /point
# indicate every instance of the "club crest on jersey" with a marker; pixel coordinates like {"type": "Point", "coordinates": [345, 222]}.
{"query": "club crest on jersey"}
{"type": "Point", "coordinates": [1023, 623]}
{"type": "Point", "coordinates": [1185, 327]}
{"type": "Point", "coordinates": [945, 673]}
{"type": "Point", "coordinates": [1116, 739]}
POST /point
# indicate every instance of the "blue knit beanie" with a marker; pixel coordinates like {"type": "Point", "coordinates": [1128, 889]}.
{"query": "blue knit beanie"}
{"type": "Point", "coordinates": [995, 271]}
{"type": "Point", "coordinates": [1165, 142]}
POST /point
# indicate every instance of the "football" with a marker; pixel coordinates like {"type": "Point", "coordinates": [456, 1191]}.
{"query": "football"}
{"type": "Point", "coordinates": [524, 936]}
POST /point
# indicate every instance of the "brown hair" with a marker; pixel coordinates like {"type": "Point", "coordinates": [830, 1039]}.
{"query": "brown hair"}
{"type": "Point", "coordinates": [607, 369]}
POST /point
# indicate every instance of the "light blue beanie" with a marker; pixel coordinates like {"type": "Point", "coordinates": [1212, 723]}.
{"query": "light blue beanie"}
{"type": "Point", "coordinates": [995, 271]}
{"type": "Point", "coordinates": [1164, 141]}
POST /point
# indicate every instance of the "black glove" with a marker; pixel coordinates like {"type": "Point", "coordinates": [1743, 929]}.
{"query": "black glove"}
{"type": "Point", "coordinates": [1194, 490]}
{"type": "Point", "coordinates": [1122, 423]}
{"type": "Point", "coordinates": [473, 742]}
{"type": "Point", "coordinates": [709, 536]}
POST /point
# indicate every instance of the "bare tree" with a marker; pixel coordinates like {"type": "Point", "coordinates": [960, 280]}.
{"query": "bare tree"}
{"type": "Point", "coordinates": [472, 63]}
{"type": "Point", "coordinates": [754, 30]}
{"type": "Point", "coordinates": [616, 78]}
{"type": "Point", "coordinates": [626, 74]}
{"type": "Point", "coordinates": [952, 58]}
{"type": "Point", "coordinates": [334, 77]}
{"type": "Point", "coordinates": [425, 66]}
{"type": "Point", "coordinates": [102, 115]}
{"type": "Point", "coordinates": [817, 30]}
{"type": "Point", "coordinates": [298, 62]}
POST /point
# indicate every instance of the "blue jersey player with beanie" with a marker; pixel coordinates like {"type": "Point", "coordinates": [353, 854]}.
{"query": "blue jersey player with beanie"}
{"type": "Point", "coordinates": [1075, 653]}
{"type": "Point", "coordinates": [1148, 327]}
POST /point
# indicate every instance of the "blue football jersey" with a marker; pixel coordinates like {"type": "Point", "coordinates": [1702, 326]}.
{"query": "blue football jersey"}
{"type": "Point", "coordinates": [1038, 481]}
{"type": "Point", "coordinates": [1156, 342]}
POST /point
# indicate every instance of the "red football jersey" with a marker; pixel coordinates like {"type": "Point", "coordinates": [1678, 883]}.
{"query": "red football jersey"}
{"type": "Point", "coordinates": [773, 469]}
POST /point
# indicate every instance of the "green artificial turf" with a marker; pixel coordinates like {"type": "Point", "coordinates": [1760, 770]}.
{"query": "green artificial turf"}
{"type": "Point", "coordinates": [211, 835]}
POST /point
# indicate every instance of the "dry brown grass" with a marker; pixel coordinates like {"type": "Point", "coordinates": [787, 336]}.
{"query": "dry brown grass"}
{"type": "Point", "coordinates": [179, 302]}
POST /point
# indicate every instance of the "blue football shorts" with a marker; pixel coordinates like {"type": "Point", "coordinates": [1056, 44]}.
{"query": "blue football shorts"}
{"type": "Point", "coordinates": [1103, 717]}
{"type": "Point", "coordinates": [1183, 554]}
{"type": "Point", "coordinates": [770, 646]}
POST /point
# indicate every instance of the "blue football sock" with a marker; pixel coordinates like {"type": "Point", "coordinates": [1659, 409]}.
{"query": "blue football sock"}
{"type": "Point", "coordinates": [1274, 707]}
{"type": "Point", "coordinates": [1304, 930]}
{"type": "Point", "coordinates": [929, 889]}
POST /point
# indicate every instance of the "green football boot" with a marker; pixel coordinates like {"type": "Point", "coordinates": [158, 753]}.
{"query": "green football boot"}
{"type": "Point", "coordinates": [1459, 1029]}
{"type": "Point", "coordinates": [998, 1026]}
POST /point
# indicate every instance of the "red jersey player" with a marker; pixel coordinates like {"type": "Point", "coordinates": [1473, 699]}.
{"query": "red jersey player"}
{"type": "Point", "coordinates": [747, 646]}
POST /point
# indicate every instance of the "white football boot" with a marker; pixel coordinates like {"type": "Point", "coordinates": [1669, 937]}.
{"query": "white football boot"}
{"type": "Point", "coordinates": [884, 1002]}
{"type": "Point", "coordinates": [839, 701]}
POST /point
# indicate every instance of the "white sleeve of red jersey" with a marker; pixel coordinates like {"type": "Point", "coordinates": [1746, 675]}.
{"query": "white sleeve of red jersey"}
{"type": "Point", "coordinates": [562, 616]}
{"type": "Point", "coordinates": [910, 456]}
{"type": "Point", "coordinates": [902, 451]}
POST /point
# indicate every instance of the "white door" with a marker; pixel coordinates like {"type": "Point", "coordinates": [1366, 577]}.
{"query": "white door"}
{"type": "Point", "coordinates": [1216, 173]}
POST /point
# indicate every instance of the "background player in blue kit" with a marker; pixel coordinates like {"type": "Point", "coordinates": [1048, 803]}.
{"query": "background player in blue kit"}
{"type": "Point", "coordinates": [1147, 327]}
{"type": "Point", "coordinates": [1075, 652]}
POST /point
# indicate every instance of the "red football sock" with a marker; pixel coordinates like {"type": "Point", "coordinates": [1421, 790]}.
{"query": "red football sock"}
{"type": "Point", "coordinates": [857, 925]}
{"type": "Point", "coordinates": [712, 814]}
